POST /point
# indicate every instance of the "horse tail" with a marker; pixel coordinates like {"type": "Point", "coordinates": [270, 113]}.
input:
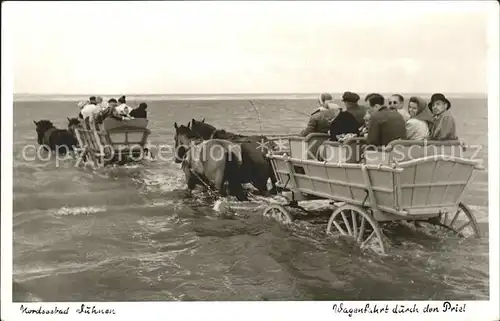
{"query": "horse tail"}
{"type": "Point", "coordinates": [232, 176]}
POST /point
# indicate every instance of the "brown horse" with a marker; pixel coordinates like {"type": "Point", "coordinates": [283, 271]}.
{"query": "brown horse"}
{"type": "Point", "coordinates": [256, 168]}
{"type": "Point", "coordinates": [52, 138]}
{"type": "Point", "coordinates": [209, 163]}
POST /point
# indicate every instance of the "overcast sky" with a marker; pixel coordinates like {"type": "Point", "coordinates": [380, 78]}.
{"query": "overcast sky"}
{"type": "Point", "coordinates": [247, 47]}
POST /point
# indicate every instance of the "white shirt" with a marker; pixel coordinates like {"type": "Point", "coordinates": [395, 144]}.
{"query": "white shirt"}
{"type": "Point", "coordinates": [90, 110]}
{"type": "Point", "coordinates": [123, 109]}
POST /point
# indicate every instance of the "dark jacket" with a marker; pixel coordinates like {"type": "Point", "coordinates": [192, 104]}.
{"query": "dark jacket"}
{"type": "Point", "coordinates": [385, 126]}
{"type": "Point", "coordinates": [139, 112]}
{"type": "Point", "coordinates": [319, 122]}
{"type": "Point", "coordinates": [344, 123]}
{"type": "Point", "coordinates": [357, 111]}
{"type": "Point", "coordinates": [108, 112]}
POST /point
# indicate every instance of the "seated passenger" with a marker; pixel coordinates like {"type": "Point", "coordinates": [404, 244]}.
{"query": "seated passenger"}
{"type": "Point", "coordinates": [363, 131]}
{"type": "Point", "coordinates": [123, 109]}
{"type": "Point", "coordinates": [322, 100]}
{"type": "Point", "coordinates": [99, 102]}
{"type": "Point", "coordinates": [319, 122]}
{"type": "Point", "coordinates": [90, 110]}
{"type": "Point", "coordinates": [385, 125]}
{"type": "Point", "coordinates": [417, 127]}
{"type": "Point", "coordinates": [396, 102]}
{"type": "Point", "coordinates": [350, 101]}
{"type": "Point", "coordinates": [444, 124]}
{"type": "Point", "coordinates": [110, 111]}
{"type": "Point", "coordinates": [342, 124]}
{"type": "Point", "coordinates": [140, 112]}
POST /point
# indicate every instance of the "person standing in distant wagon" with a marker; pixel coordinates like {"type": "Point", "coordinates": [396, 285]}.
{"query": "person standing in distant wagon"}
{"type": "Point", "coordinates": [396, 102]}
{"type": "Point", "coordinates": [444, 124]}
{"type": "Point", "coordinates": [350, 101]}
{"type": "Point", "coordinates": [385, 124]}
{"type": "Point", "coordinates": [90, 110]}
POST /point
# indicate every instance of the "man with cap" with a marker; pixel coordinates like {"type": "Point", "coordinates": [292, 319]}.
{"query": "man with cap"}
{"type": "Point", "coordinates": [386, 125]}
{"type": "Point", "coordinates": [350, 101]}
{"type": "Point", "coordinates": [343, 124]}
{"type": "Point", "coordinates": [444, 124]}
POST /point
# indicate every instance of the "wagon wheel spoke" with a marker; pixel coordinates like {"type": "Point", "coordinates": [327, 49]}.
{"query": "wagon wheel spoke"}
{"type": "Point", "coordinates": [361, 230]}
{"type": "Point", "coordinates": [444, 218]}
{"type": "Point", "coordinates": [460, 229]}
{"type": "Point", "coordinates": [340, 229]}
{"type": "Point", "coordinates": [354, 225]}
{"type": "Point", "coordinates": [347, 225]}
{"type": "Point", "coordinates": [457, 214]}
{"type": "Point", "coordinates": [368, 239]}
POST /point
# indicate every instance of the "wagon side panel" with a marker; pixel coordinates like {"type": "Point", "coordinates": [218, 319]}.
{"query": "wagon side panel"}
{"type": "Point", "coordinates": [434, 184]}
{"type": "Point", "coordinates": [382, 183]}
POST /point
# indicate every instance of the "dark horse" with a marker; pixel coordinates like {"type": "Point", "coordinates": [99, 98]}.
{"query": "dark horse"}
{"type": "Point", "coordinates": [72, 123]}
{"type": "Point", "coordinates": [52, 138]}
{"type": "Point", "coordinates": [256, 167]}
{"type": "Point", "coordinates": [209, 163]}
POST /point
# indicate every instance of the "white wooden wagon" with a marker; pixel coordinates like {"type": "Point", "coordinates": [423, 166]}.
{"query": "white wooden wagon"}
{"type": "Point", "coordinates": [404, 181]}
{"type": "Point", "coordinates": [112, 142]}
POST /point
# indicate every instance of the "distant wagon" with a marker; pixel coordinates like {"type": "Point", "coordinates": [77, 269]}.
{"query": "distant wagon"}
{"type": "Point", "coordinates": [112, 142]}
{"type": "Point", "coordinates": [404, 181]}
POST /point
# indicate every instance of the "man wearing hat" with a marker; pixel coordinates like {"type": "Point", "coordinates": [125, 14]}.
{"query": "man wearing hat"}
{"type": "Point", "coordinates": [350, 101]}
{"type": "Point", "coordinates": [444, 124]}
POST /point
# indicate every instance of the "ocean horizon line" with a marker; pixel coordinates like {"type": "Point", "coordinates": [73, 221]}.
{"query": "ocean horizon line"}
{"type": "Point", "coordinates": [214, 96]}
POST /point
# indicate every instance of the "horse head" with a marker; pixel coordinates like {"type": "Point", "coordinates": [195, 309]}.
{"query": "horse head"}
{"type": "Point", "coordinates": [42, 127]}
{"type": "Point", "coordinates": [184, 135]}
{"type": "Point", "coordinates": [203, 129]}
{"type": "Point", "coordinates": [72, 123]}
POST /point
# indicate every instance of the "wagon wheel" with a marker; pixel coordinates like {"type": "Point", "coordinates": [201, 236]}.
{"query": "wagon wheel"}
{"type": "Point", "coordinates": [453, 223]}
{"type": "Point", "coordinates": [356, 223]}
{"type": "Point", "coordinates": [278, 213]}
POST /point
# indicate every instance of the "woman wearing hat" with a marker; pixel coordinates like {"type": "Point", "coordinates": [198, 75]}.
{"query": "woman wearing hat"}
{"type": "Point", "coordinates": [444, 124]}
{"type": "Point", "coordinates": [421, 120]}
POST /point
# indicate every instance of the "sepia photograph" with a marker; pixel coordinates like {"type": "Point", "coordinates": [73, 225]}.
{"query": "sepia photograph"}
{"type": "Point", "coordinates": [299, 151]}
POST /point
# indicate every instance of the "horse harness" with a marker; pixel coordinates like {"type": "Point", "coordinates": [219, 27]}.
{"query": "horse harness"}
{"type": "Point", "coordinates": [185, 163]}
